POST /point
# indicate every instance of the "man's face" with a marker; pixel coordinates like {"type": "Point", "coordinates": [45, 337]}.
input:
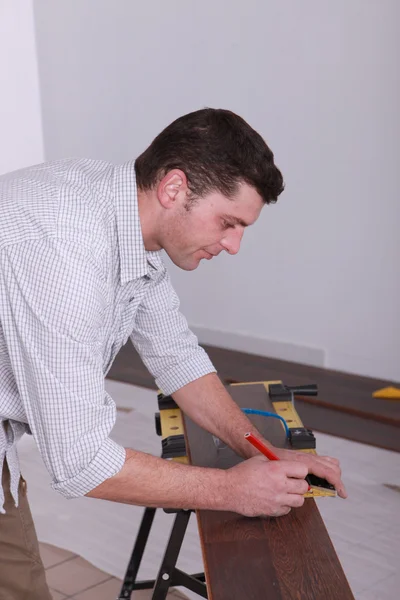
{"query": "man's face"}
{"type": "Point", "coordinates": [212, 224]}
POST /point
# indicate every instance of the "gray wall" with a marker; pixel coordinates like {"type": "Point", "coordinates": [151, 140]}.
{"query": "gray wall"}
{"type": "Point", "coordinates": [317, 279]}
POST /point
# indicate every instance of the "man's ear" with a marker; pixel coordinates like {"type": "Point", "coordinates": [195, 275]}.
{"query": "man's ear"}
{"type": "Point", "coordinates": [172, 188]}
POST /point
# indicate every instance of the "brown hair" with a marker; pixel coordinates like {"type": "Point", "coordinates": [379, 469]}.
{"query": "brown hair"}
{"type": "Point", "coordinates": [217, 150]}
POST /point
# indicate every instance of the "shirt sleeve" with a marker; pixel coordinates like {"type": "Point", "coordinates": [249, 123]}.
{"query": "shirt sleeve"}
{"type": "Point", "coordinates": [53, 296]}
{"type": "Point", "coordinates": [164, 341]}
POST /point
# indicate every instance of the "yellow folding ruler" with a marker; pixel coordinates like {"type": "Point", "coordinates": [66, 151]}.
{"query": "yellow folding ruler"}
{"type": "Point", "coordinates": [169, 425]}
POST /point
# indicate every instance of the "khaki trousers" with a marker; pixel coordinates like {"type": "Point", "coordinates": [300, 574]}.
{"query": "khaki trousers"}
{"type": "Point", "coordinates": [22, 575]}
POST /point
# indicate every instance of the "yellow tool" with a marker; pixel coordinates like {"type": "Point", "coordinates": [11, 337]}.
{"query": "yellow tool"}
{"type": "Point", "coordinates": [387, 393]}
{"type": "Point", "coordinates": [172, 425]}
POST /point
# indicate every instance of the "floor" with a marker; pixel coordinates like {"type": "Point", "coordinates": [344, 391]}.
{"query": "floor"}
{"type": "Point", "coordinates": [365, 528]}
{"type": "Point", "coordinates": [70, 576]}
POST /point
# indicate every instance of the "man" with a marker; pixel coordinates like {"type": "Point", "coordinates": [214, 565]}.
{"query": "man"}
{"type": "Point", "coordinates": [80, 272]}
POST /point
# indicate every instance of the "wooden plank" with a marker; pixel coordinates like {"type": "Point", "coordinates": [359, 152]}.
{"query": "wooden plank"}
{"type": "Point", "coordinates": [352, 427]}
{"type": "Point", "coordinates": [289, 558]}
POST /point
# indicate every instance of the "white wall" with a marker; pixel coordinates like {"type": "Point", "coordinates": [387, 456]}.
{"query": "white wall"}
{"type": "Point", "coordinates": [317, 279]}
{"type": "Point", "coordinates": [20, 119]}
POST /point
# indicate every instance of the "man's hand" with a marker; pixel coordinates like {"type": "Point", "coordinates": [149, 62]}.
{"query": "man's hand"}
{"type": "Point", "coordinates": [266, 488]}
{"type": "Point", "coordinates": [255, 487]}
{"type": "Point", "coordinates": [215, 411]}
{"type": "Point", "coordinates": [323, 466]}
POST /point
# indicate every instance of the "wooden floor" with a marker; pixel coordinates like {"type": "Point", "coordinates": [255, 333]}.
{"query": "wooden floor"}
{"type": "Point", "coordinates": [344, 405]}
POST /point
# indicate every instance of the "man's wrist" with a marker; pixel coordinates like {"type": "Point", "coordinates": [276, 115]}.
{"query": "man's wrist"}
{"type": "Point", "coordinates": [249, 450]}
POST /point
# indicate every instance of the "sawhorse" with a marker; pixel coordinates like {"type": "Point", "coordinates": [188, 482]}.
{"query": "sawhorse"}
{"type": "Point", "coordinates": [168, 575]}
{"type": "Point", "coordinates": [173, 447]}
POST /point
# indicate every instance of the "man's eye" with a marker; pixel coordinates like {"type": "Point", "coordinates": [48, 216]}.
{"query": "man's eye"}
{"type": "Point", "coordinates": [226, 224]}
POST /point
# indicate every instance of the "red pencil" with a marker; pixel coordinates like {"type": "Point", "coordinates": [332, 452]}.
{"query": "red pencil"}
{"type": "Point", "coordinates": [262, 448]}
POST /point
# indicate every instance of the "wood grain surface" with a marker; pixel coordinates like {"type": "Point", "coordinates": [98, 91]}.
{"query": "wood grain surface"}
{"type": "Point", "coordinates": [285, 558]}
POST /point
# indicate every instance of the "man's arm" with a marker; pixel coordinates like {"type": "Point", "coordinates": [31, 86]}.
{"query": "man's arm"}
{"type": "Point", "coordinates": [255, 487]}
{"type": "Point", "coordinates": [147, 480]}
{"type": "Point", "coordinates": [52, 314]}
{"type": "Point", "coordinates": [208, 404]}
{"type": "Point", "coordinates": [181, 367]}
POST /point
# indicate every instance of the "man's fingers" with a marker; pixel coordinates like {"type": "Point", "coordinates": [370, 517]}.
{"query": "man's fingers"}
{"type": "Point", "coordinates": [298, 500]}
{"type": "Point", "coordinates": [330, 459]}
{"type": "Point", "coordinates": [334, 464]}
{"type": "Point", "coordinates": [296, 486]}
{"type": "Point", "coordinates": [295, 469]}
{"type": "Point", "coordinates": [283, 510]}
{"type": "Point", "coordinates": [294, 500]}
{"type": "Point", "coordinates": [325, 467]}
{"type": "Point", "coordinates": [329, 470]}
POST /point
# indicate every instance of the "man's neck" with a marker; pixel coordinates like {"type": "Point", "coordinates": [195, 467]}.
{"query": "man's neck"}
{"type": "Point", "coordinates": [148, 214]}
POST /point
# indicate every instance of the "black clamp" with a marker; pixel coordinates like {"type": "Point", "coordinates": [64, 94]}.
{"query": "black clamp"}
{"type": "Point", "coordinates": [301, 438]}
{"type": "Point", "coordinates": [166, 401]}
{"type": "Point", "coordinates": [284, 393]}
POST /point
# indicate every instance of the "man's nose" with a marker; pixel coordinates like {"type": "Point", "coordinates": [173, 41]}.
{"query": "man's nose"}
{"type": "Point", "coordinates": [232, 239]}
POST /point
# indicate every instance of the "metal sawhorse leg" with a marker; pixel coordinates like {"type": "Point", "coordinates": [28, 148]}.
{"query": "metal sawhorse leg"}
{"type": "Point", "coordinates": [168, 574]}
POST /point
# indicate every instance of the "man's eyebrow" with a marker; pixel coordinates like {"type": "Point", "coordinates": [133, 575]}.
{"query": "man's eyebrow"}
{"type": "Point", "coordinates": [235, 220]}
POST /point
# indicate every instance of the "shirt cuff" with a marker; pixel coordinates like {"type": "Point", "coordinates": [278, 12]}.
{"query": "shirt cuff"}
{"type": "Point", "coordinates": [183, 373]}
{"type": "Point", "coordinates": [108, 461]}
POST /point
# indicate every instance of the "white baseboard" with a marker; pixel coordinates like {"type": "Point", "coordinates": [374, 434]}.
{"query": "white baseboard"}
{"type": "Point", "coordinates": [260, 346]}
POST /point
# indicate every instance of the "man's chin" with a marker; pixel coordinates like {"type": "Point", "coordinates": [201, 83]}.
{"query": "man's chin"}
{"type": "Point", "coordinates": [189, 264]}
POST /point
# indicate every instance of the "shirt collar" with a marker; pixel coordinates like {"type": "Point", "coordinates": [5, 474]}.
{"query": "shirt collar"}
{"type": "Point", "coordinates": [135, 260]}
